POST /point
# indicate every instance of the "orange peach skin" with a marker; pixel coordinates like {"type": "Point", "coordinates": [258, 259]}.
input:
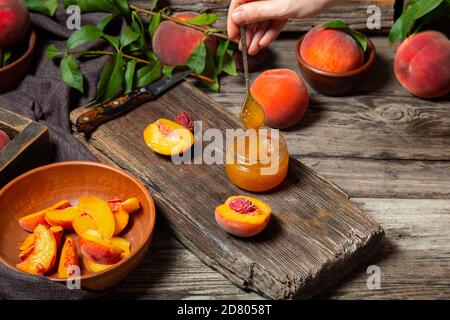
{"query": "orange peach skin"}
{"type": "Point", "coordinates": [283, 96]}
{"type": "Point", "coordinates": [100, 212]}
{"type": "Point", "coordinates": [422, 64]}
{"type": "Point", "coordinates": [62, 217]}
{"type": "Point", "coordinates": [130, 205]}
{"type": "Point", "coordinates": [121, 218]}
{"type": "Point", "coordinates": [31, 221]}
{"type": "Point", "coordinates": [331, 50]}
{"type": "Point", "coordinates": [27, 246]}
{"type": "Point", "coordinates": [68, 258]}
{"type": "Point", "coordinates": [241, 224]}
{"type": "Point", "coordinates": [174, 44]}
{"type": "Point", "coordinates": [43, 256]}
{"type": "Point", "coordinates": [97, 249]}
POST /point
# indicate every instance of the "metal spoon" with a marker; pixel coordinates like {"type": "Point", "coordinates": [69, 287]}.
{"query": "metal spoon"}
{"type": "Point", "coordinates": [252, 114]}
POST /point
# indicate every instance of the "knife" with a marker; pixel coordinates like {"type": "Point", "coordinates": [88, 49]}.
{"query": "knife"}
{"type": "Point", "coordinates": [114, 108]}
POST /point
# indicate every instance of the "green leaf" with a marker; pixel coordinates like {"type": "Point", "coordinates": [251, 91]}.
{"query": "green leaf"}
{"type": "Point", "coordinates": [203, 19]}
{"type": "Point", "coordinates": [338, 24]}
{"type": "Point", "coordinates": [123, 6]}
{"type": "Point", "coordinates": [197, 59]}
{"type": "Point", "coordinates": [128, 36]}
{"type": "Point", "coordinates": [52, 51]}
{"type": "Point", "coordinates": [221, 50]}
{"type": "Point", "coordinates": [115, 42]}
{"type": "Point", "coordinates": [228, 64]}
{"type": "Point", "coordinates": [154, 4]}
{"type": "Point", "coordinates": [85, 34]}
{"type": "Point", "coordinates": [138, 26]}
{"type": "Point", "coordinates": [45, 7]}
{"type": "Point", "coordinates": [404, 25]}
{"type": "Point", "coordinates": [148, 74]}
{"type": "Point", "coordinates": [71, 74]}
{"type": "Point", "coordinates": [105, 21]}
{"type": "Point", "coordinates": [93, 5]}
{"type": "Point", "coordinates": [167, 71]}
{"type": "Point", "coordinates": [5, 56]}
{"type": "Point", "coordinates": [129, 75]}
{"type": "Point", "coordinates": [211, 71]}
{"type": "Point", "coordinates": [154, 23]}
{"type": "Point", "coordinates": [111, 78]}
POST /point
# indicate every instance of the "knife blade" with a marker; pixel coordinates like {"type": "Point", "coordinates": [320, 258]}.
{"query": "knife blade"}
{"type": "Point", "coordinates": [114, 108]}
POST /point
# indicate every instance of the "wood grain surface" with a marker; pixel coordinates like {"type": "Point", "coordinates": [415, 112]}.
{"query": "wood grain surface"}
{"type": "Point", "coordinates": [353, 12]}
{"type": "Point", "coordinates": [315, 237]}
{"type": "Point", "coordinates": [29, 146]}
{"type": "Point", "coordinates": [409, 197]}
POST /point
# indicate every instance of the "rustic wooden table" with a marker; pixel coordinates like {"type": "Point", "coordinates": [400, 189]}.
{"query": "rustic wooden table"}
{"type": "Point", "coordinates": [388, 150]}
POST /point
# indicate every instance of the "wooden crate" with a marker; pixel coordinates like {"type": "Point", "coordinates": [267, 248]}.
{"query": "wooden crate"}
{"type": "Point", "coordinates": [353, 12]}
{"type": "Point", "coordinates": [29, 146]}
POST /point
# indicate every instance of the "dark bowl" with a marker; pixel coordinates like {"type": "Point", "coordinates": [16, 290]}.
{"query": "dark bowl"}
{"type": "Point", "coordinates": [335, 84]}
{"type": "Point", "coordinates": [44, 186]}
{"type": "Point", "coordinates": [13, 73]}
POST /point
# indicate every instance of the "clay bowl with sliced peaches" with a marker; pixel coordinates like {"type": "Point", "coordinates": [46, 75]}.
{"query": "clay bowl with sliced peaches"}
{"type": "Point", "coordinates": [76, 217]}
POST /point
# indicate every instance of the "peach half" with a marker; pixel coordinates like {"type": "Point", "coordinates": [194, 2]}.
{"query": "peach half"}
{"type": "Point", "coordinates": [31, 221]}
{"type": "Point", "coordinates": [43, 256]}
{"type": "Point", "coordinates": [243, 216]}
{"type": "Point", "coordinates": [168, 138]}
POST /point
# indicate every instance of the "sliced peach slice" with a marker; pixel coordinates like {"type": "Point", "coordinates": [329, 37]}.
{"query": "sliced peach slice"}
{"type": "Point", "coordinates": [83, 223]}
{"type": "Point", "coordinates": [122, 244]}
{"type": "Point", "coordinates": [62, 217]}
{"type": "Point", "coordinates": [98, 249]}
{"type": "Point", "coordinates": [168, 138]}
{"type": "Point", "coordinates": [95, 267]}
{"type": "Point", "coordinates": [243, 216]}
{"type": "Point", "coordinates": [121, 219]}
{"type": "Point", "coordinates": [43, 256]}
{"type": "Point", "coordinates": [130, 205]}
{"type": "Point", "coordinates": [31, 221]}
{"type": "Point", "coordinates": [69, 257]}
{"type": "Point", "coordinates": [27, 245]}
{"type": "Point", "coordinates": [101, 213]}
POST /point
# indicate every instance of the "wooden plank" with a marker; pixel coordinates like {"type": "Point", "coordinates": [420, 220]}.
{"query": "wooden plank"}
{"type": "Point", "coordinates": [353, 12]}
{"type": "Point", "coordinates": [415, 261]}
{"type": "Point", "coordinates": [385, 178]}
{"type": "Point", "coordinates": [315, 237]}
{"type": "Point", "coordinates": [29, 147]}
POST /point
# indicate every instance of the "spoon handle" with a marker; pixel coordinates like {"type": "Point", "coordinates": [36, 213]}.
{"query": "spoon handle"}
{"type": "Point", "coordinates": [244, 58]}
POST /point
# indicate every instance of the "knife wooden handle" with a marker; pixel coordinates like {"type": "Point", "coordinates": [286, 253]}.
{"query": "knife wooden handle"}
{"type": "Point", "coordinates": [112, 109]}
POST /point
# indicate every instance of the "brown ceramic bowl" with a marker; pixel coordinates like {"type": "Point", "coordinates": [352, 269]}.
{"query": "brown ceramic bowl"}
{"type": "Point", "coordinates": [335, 84]}
{"type": "Point", "coordinates": [44, 186]}
{"type": "Point", "coordinates": [13, 73]}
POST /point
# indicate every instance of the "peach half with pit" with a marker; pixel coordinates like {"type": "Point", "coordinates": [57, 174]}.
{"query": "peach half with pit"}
{"type": "Point", "coordinates": [168, 138]}
{"type": "Point", "coordinates": [243, 216]}
{"type": "Point", "coordinates": [43, 256]}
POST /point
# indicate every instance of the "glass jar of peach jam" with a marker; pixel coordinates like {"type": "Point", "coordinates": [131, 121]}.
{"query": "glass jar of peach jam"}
{"type": "Point", "coordinates": [257, 160]}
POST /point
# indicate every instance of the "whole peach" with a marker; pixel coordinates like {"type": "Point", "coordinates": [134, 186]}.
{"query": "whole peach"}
{"type": "Point", "coordinates": [422, 64]}
{"type": "Point", "coordinates": [4, 139]}
{"type": "Point", "coordinates": [14, 21]}
{"type": "Point", "coordinates": [331, 50]}
{"type": "Point", "coordinates": [174, 43]}
{"type": "Point", "coordinates": [283, 95]}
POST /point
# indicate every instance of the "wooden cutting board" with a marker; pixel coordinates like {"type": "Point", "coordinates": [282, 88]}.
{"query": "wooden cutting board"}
{"type": "Point", "coordinates": [316, 234]}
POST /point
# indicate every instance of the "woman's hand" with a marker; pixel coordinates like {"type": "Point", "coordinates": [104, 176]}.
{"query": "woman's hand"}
{"type": "Point", "coordinates": [266, 18]}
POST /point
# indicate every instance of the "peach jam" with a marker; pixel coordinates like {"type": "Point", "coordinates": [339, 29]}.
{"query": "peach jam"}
{"type": "Point", "coordinates": [257, 160]}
